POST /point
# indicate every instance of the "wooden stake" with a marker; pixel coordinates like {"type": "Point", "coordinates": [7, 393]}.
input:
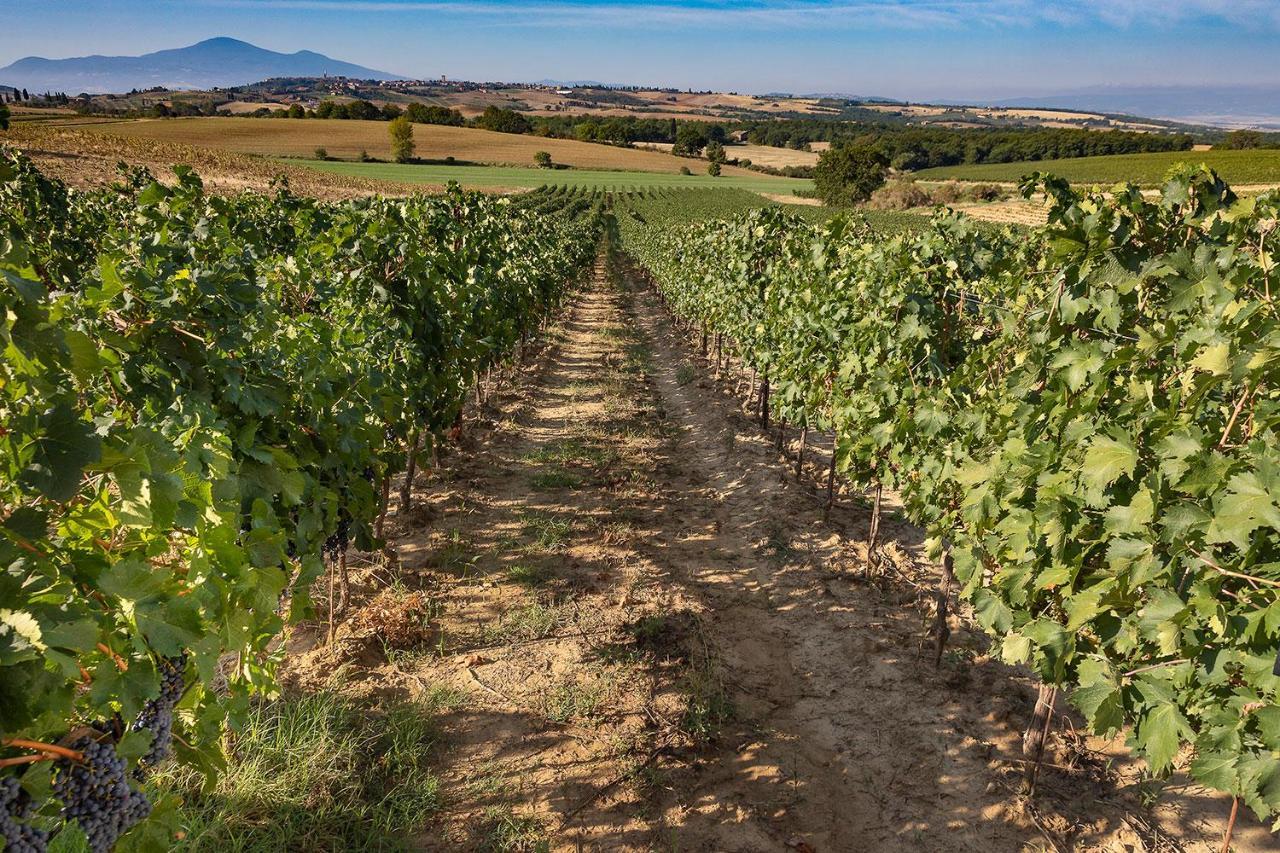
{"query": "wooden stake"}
{"type": "Point", "coordinates": [411, 468]}
{"type": "Point", "coordinates": [804, 435]}
{"type": "Point", "coordinates": [764, 402]}
{"type": "Point", "coordinates": [873, 533]}
{"type": "Point", "coordinates": [831, 483]}
{"type": "Point", "coordinates": [380, 525]}
{"type": "Point", "coordinates": [344, 584]}
{"type": "Point", "coordinates": [941, 630]}
{"type": "Point", "coordinates": [1033, 740]}
{"type": "Point", "coordinates": [331, 603]}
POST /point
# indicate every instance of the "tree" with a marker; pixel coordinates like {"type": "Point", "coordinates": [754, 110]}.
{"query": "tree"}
{"type": "Point", "coordinates": [4, 116]}
{"type": "Point", "coordinates": [362, 110]}
{"type": "Point", "coordinates": [433, 114]}
{"type": "Point", "coordinates": [401, 130]}
{"type": "Point", "coordinates": [503, 121]}
{"type": "Point", "coordinates": [849, 174]}
{"type": "Point", "coordinates": [1239, 139]}
{"type": "Point", "coordinates": [715, 152]}
{"type": "Point", "coordinates": [713, 168]}
{"type": "Point", "coordinates": [690, 139]}
{"type": "Point", "coordinates": [391, 111]}
{"type": "Point", "coordinates": [25, 96]}
{"type": "Point", "coordinates": [297, 111]}
{"type": "Point", "coordinates": [327, 109]}
{"type": "Point", "coordinates": [542, 159]}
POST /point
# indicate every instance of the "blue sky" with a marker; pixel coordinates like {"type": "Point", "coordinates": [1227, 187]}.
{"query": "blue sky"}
{"type": "Point", "coordinates": [901, 48]}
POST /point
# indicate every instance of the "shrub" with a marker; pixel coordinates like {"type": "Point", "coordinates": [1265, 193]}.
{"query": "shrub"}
{"type": "Point", "coordinates": [684, 170]}
{"type": "Point", "coordinates": [713, 168]}
{"type": "Point", "coordinates": [899, 195]}
{"type": "Point", "coordinates": [542, 159]}
{"type": "Point", "coordinates": [987, 192]}
{"type": "Point", "coordinates": [322, 154]}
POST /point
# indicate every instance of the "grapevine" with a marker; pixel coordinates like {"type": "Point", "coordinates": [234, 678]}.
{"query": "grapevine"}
{"type": "Point", "coordinates": [200, 398]}
{"type": "Point", "coordinates": [1082, 417]}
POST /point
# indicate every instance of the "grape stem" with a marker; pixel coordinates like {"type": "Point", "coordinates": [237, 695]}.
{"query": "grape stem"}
{"type": "Point", "coordinates": [52, 749]}
{"type": "Point", "coordinates": [25, 759]}
{"type": "Point", "coordinates": [121, 663]}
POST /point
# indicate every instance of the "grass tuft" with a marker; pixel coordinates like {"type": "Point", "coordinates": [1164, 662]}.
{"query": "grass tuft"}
{"type": "Point", "coordinates": [317, 773]}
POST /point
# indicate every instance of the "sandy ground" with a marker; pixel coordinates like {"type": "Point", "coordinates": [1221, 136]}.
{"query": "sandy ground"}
{"type": "Point", "coordinates": [663, 645]}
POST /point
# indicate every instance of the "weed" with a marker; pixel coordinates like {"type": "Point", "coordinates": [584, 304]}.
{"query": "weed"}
{"type": "Point", "coordinates": [507, 832]}
{"type": "Point", "coordinates": [708, 707]}
{"type": "Point", "coordinates": [531, 622]}
{"type": "Point", "coordinates": [555, 479]}
{"type": "Point", "coordinates": [528, 575]}
{"type": "Point", "coordinates": [317, 773]}
{"type": "Point", "coordinates": [456, 555]}
{"type": "Point", "coordinates": [685, 374]}
{"type": "Point", "coordinates": [549, 532]}
{"type": "Point", "coordinates": [573, 701]}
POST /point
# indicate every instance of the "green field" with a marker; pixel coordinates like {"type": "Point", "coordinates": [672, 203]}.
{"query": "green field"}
{"type": "Point", "coordinates": [1260, 166]}
{"type": "Point", "coordinates": [514, 177]}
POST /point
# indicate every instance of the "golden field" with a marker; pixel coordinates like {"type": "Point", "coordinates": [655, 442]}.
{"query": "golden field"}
{"type": "Point", "coordinates": [347, 139]}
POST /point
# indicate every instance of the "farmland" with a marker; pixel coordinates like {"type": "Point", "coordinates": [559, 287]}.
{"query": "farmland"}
{"type": "Point", "coordinates": [612, 508]}
{"type": "Point", "coordinates": [1244, 168]}
{"type": "Point", "coordinates": [559, 552]}
{"type": "Point", "coordinates": [505, 177]}
{"type": "Point", "coordinates": [348, 139]}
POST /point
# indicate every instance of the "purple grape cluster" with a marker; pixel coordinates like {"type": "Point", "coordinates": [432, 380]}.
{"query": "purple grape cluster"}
{"type": "Point", "coordinates": [15, 806]}
{"type": "Point", "coordinates": [96, 794]}
{"type": "Point", "coordinates": [157, 714]}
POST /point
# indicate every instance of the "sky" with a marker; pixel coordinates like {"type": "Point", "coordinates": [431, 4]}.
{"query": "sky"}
{"type": "Point", "coordinates": [914, 49]}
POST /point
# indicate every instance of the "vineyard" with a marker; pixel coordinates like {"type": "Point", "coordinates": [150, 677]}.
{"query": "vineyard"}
{"type": "Point", "coordinates": [204, 402]}
{"type": "Point", "coordinates": [257, 445]}
{"type": "Point", "coordinates": [1083, 425]}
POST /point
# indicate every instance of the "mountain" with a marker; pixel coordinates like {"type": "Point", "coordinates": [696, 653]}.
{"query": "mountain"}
{"type": "Point", "coordinates": [1226, 106]}
{"type": "Point", "coordinates": [208, 64]}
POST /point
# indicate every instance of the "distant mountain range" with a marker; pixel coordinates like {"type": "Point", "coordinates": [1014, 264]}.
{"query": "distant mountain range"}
{"type": "Point", "coordinates": [216, 62]}
{"type": "Point", "coordinates": [1228, 106]}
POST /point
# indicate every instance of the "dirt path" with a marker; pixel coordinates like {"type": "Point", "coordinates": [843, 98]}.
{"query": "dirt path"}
{"type": "Point", "coordinates": [645, 636]}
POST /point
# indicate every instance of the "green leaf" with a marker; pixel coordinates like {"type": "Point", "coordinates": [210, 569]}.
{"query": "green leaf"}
{"type": "Point", "coordinates": [1107, 460]}
{"type": "Point", "coordinates": [1102, 705]}
{"type": "Point", "coordinates": [1161, 734]}
{"type": "Point", "coordinates": [66, 445]}
{"type": "Point", "coordinates": [1244, 507]}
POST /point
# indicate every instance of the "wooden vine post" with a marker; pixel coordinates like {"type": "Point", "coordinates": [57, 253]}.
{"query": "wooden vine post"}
{"type": "Point", "coordinates": [804, 436]}
{"type": "Point", "coordinates": [873, 531]}
{"type": "Point", "coordinates": [831, 483]}
{"type": "Point", "coordinates": [1037, 733]}
{"type": "Point", "coordinates": [410, 470]}
{"type": "Point", "coordinates": [764, 402]}
{"type": "Point", "coordinates": [941, 630]}
{"type": "Point", "coordinates": [380, 525]}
